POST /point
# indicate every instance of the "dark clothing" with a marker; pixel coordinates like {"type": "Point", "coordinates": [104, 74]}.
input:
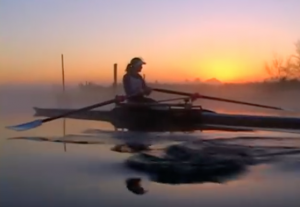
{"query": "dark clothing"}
{"type": "Point", "coordinates": [134, 84]}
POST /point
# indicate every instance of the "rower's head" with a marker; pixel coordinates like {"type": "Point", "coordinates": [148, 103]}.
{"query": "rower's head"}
{"type": "Point", "coordinates": [135, 65]}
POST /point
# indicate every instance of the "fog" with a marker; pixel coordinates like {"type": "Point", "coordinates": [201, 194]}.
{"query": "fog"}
{"type": "Point", "coordinates": [21, 98]}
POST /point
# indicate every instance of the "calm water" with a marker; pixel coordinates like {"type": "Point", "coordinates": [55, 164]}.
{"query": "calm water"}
{"type": "Point", "coordinates": [44, 174]}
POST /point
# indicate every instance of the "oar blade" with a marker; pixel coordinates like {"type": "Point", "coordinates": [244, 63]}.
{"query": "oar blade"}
{"type": "Point", "coordinates": [26, 126]}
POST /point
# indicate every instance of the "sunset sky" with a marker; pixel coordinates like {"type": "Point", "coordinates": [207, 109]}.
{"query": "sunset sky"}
{"type": "Point", "coordinates": [179, 39]}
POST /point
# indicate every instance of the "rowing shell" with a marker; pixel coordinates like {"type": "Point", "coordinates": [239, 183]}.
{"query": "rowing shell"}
{"type": "Point", "coordinates": [167, 117]}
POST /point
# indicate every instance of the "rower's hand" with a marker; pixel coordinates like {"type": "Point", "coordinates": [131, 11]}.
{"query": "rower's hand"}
{"type": "Point", "coordinates": [147, 91]}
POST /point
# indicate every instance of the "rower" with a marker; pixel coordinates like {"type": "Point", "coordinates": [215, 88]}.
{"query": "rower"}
{"type": "Point", "coordinates": [134, 84]}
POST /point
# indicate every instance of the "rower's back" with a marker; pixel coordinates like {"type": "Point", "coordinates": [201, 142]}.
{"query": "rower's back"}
{"type": "Point", "coordinates": [133, 84]}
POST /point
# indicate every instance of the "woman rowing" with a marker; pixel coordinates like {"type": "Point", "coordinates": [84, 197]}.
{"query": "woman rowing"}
{"type": "Point", "coordinates": [134, 84]}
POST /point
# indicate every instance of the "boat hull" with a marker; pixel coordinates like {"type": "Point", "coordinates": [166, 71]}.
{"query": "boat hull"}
{"type": "Point", "coordinates": [138, 118]}
{"type": "Point", "coordinates": [176, 119]}
{"type": "Point", "coordinates": [93, 115]}
{"type": "Point", "coordinates": [254, 121]}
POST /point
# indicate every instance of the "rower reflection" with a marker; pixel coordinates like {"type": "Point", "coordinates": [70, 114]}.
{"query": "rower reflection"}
{"type": "Point", "coordinates": [134, 185]}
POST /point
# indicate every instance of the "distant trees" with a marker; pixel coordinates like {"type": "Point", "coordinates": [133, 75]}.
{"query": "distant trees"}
{"type": "Point", "coordinates": [281, 69]}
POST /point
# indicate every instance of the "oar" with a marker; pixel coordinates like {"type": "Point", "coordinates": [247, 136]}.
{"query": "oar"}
{"type": "Point", "coordinates": [39, 122]}
{"type": "Point", "coordinates": [217, 99]}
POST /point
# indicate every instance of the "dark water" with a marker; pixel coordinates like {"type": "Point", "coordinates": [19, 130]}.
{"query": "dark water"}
{"type": "Point", "coordinates": [44, 174]}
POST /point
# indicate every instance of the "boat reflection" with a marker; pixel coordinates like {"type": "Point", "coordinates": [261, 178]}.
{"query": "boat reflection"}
{"type": "Point", "coordinates": [135, 185]}
{"type": "Point", "coordinates": [131, 147]}
{"type": "Point", "coordinates": [221, 177]}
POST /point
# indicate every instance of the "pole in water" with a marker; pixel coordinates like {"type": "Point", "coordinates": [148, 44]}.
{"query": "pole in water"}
{"type": "Point", "coordinates": [63, 72]}
{"type": "Point", "coordinates": [115, 78]}
{"type": "Point", "coordinates": [64, 97]}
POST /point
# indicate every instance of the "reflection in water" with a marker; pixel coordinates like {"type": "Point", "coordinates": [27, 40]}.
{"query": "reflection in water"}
{"type": "Point", "coordinates": [64, 134]}
{"type": "Point", "coordinates": [206, 161]}
{"type": "Point", "coordinates": [131, 148]}
{"type": "Point", "coordinates": [266, 147]}
{"type": "Point", "coordinates": [249, 150]}
{"type": "Point", "coordinates": [134, 185]}
{"type": "Point", "coordinates": [184, 163]}
{"type": "Point", "coordinates": [40, 174]}
{"type": "Point", "coordinates": [221, 177]}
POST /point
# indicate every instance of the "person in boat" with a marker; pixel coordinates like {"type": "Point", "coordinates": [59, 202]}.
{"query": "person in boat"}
{"type": "Point", "coordinates": [134, 84]}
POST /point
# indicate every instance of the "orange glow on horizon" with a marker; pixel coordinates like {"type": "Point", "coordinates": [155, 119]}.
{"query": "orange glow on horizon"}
{"type": "Point", "coordinates": [222, 69]}
{"type": "Point", "coordinates": [225, 70]}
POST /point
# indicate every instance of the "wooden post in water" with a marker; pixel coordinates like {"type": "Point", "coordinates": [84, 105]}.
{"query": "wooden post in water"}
{"type": "Point", "coordinates": [115, 83]}
{"type": "Point", "coordinates": [63, 72]}
{"type": "Point", "coordinates": [63, 97]}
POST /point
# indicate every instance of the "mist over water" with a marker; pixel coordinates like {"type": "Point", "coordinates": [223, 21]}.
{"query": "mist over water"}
{"type": "Point", "coordinates": [21, 98]}
{"type": "Point", "coordinates": [93, 175]}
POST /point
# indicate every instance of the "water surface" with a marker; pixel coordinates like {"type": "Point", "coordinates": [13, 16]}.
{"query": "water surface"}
{"type": "Point", "coordinates": [44, 174]}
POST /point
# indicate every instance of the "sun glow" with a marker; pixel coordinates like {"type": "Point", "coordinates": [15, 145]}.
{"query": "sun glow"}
{"type": "Point", "coordinates": [224, 69]}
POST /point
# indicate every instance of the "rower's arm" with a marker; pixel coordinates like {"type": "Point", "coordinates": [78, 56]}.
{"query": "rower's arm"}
{"type": "Point", "coordinates": [144, 83]}
{"type": "Point", "coordinates": [147, 90]}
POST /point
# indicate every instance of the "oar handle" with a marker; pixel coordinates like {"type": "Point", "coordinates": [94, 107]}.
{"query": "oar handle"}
{"type": "Point", "coordinates": [196, 95]}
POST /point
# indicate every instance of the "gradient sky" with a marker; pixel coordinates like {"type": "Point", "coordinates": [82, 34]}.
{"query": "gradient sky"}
{"type": "Point", "coordinates": [179, 39]}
